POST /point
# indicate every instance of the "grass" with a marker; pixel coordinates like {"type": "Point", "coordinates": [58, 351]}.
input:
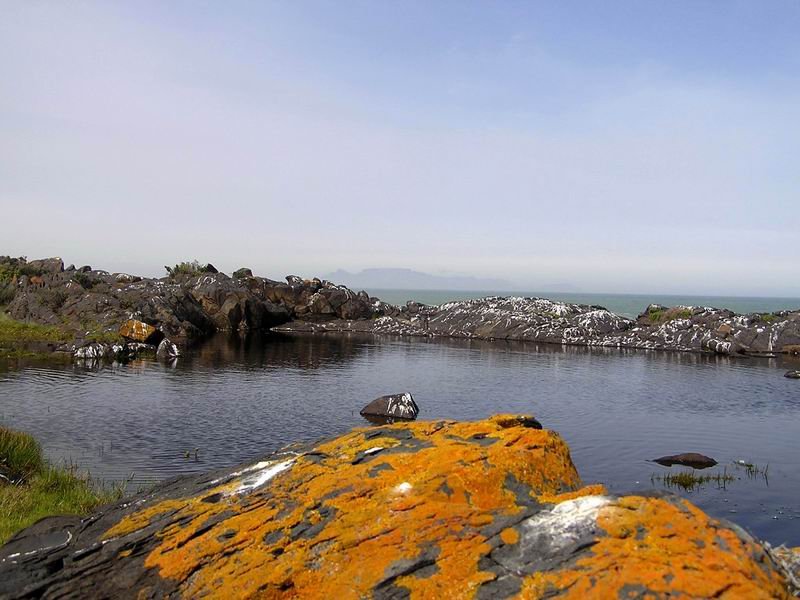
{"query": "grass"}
{"type": "Point", "coordinates": [17, 331]}
{"type": "Point", "coordinates": [753, 470]}
{"type": "Point", "coordinates": [662, 316]}
{"type": "Point", "coordinates": [691, 480]}
{"type": "Point", "coordinates": [39, 489]}
{"type": "Point", "coordinates": [20, 455]}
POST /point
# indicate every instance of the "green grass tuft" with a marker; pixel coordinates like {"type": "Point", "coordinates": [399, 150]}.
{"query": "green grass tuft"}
{"type": "Point", "coordinates": [16, 331]}
{"type": "Point", "coordinates": [20, 454]}
{"type": "Point", "coordinates": [691, 480]}
{"type": "Point", "coordinates": [46, 490]}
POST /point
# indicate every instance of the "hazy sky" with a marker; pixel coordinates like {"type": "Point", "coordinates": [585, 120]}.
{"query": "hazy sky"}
{"type": "Point", "coordinates": [641, 146]}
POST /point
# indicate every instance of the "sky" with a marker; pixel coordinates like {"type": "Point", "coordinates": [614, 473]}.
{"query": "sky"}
{"type": "Point", "coordinates": [624, 146]}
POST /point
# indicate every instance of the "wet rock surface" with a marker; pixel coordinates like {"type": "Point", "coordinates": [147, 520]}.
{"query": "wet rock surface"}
{"type": "Point", "coordinates": [486, 509]}
{"type": "Point", "coordinates": [792, 374]}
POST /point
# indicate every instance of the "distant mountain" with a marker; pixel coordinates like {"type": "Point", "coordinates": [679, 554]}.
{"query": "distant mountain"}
{"type": "Point", "coordinates": [415, 280]}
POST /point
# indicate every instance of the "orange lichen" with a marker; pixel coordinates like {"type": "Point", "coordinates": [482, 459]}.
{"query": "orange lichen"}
{"type": "Point", "coordinates": [404, 497]}
{"type": "Point", "coordinates": [663, 547]}
{"type": "Point", "coordinates": [509, 536]}
{"type": "Point", "coordinates": [418, 506]}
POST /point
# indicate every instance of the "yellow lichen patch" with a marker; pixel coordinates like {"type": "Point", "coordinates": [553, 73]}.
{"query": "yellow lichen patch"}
{"type": "Point", "coordinates": [663, 548]}
{"type": "Point", "coordinates": [509, 536]}
{"type": "Point", "coordinates": [356, 511]}
{"type": "Point", "coordinates": [595, 489]}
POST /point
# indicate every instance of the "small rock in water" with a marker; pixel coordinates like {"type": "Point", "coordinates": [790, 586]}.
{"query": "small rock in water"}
{"type": "Point", "coordinates": [167, 350]}
{"type": "Point", "coordinates": [687, 459]}
{"type": "Point", "coordinates": [395, 406]}
{"type": "Point", "coordinates": [792, 374]}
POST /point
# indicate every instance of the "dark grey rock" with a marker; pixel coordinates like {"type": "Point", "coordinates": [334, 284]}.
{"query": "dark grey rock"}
{"type": "Point", "coordinates": [792, 374]}
{"type": "Point", "coordinates": [395, 406]}
{"type": "Point", "coordinates": [687, 459]}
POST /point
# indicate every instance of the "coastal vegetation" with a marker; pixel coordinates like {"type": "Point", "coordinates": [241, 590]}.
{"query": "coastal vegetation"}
{"type": "Point", "coordinates": [692, 480]}
{"type": "Point", "coordinates": [17, 331]}
{"type": "Point", "coordinates": [31, 488]}
{"type": "Point", "coordinates": [190, 268]}
{"type": "Point", "coordinates": [663, 315]}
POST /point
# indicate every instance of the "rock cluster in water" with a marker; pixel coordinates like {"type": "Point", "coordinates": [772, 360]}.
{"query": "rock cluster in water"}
{"type": "Point", "coordinates": [685, 328]}
{"type": "Point", "coordinates": [487, 509]}
{"type": "Point", "coordinates": [185, 307]}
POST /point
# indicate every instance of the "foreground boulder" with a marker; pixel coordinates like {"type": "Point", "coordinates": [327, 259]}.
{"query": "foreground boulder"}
{"type": "Point", "coordinates": [489, 509]}
{"type": "Point", "coordinates": [687, 459]}
{"type": "Point", "coordinates": [792, 374]}
{"type": "Point", "coordinates": [395, 406]}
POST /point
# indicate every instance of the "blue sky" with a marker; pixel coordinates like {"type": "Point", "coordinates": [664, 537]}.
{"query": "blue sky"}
{"type": "Point", "coordinates": [615, 146]}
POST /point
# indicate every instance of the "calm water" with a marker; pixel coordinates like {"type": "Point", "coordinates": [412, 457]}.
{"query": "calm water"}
{"type": "Point", "coordinates": [628, 305]}
{"type": "Point", "coordinates": [236, 401]}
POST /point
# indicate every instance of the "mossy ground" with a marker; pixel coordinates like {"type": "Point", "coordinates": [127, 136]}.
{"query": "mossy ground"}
{"type": "Point", "coordinates": [37, 489]}
{"type": "Point", "coordinates": [17, 331]}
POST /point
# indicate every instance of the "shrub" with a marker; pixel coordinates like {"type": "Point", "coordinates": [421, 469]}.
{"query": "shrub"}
{"type": "Point", "coordinates": [190, 268]}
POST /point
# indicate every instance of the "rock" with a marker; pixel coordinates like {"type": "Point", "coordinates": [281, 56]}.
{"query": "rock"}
{"type": "Point", "coordinates": [687, 459]}
{"type": "Point", "coordinates": [167, 350]}
{"type": "Point", "coordinates": [792, 374]}
{"type": "Point", "coordinates": [395, 406]}
{"type": "Point", "coordinates": [242, 273]}
{"type": "Point", "coordinates": [85, 269]}
{"type": "Point", "coordinates": [47, 265]}
{"type": "Point", "coordinates": [139, 331]}
{"type": "Point", "coordinates": [489, 509]}
{"type": "Point", "coordinates": [209, 268]}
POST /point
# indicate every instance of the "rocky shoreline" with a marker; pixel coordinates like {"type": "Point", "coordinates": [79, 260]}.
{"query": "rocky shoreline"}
{"type": "Point", "coordinates": [486, 509]}
{"type": "Point", "coordinates": [190, 306]}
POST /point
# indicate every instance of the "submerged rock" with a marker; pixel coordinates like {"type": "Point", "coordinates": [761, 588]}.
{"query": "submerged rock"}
{"type": "Point", "coordinates": [489, 509]}
{"type": "Point", "coordinates": [394, 406]}
{"type": "Point", "coordinates": [687, 459]}
{"type": "Point", "coordinates": [792, 374]}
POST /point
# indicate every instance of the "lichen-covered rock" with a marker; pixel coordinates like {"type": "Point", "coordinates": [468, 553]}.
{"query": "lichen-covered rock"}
{"type": "Point", "coordinates": [394, 406]}
{"type": "Point", "coordinates": [138, 331]}
{"type": "Point", "coordinates": [489, 509]}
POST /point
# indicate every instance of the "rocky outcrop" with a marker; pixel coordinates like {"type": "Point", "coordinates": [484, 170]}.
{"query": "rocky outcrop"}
{"type": "Point", "coordinates": [182, 306]}
{"type": "Point", "coordinates": [489, 509]}
{"type": "Point", "coordinates": [692, 329]}
{"type": "Point", "coordinates": [190, 306]}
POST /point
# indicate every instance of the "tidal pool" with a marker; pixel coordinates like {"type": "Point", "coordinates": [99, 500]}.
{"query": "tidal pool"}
{"type": "Point", "coordinates": [232, 400]}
